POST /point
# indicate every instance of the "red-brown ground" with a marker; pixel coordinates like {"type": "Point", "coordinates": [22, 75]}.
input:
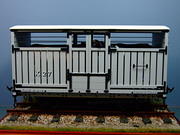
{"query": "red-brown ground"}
{"type": "Point", "coordinates": [28, 132]}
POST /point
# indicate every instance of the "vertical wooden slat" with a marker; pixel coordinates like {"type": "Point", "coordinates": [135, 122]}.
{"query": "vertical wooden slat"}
{"type": "Point", "coordinates": [14, 76]}
{"type": "Point", "coordinates": [28, 66]}
{"type": "Point", "coordinates": [146, 70]}
{"type": "Point", "coordinates": [31, 67]}
{"type": "Point", "coordinates": [133, 69]}
{"type": "Point", "coordinates": [49, 72]}
{"type": "Point", "coordinates": [140, 68]}
{"type": "Point", "coordinates": [82, 63]}
{"type": "Point", "coordinates": [101, 62]}
{"type": "Point", "coordinates": [124, 62]}
{"type": "Point", "coordinates": [34, 66]}
{"type": "Point", "coordinates": [63, 67]}
{"type": "Point", "coordinates": [56, 67]}
{"type": "Point", "coordinates": [159, 68]}
{"type": "Point", "coordinates": [69, 42]}
{"type": "Point", "coordinates": [75, 61]}
{"type": "Point", "coordinates": [156, 74]}
{"type": "Point", "coordinates": [144, 67]}
{"type": "Point", "coordinates": [127, 69]}
{"type": "Point", "coordinates": [117, 68]}
{"type": "Point", "coordinates": [43, 66]}
{"type": "Point", "coordinates": [153, 68]}
{"type": "Point", "coordinates": [120, 68]}
{"type": "Point", "coordinates": [37, 67]}
{"type": "Point", "coordinates": [130, 65]}
{"type": "Point", "coordinates": [150, 67]}
{"type": "Point", "coordinates": [79, 62]}
{"type": "Point", "coordinates": [19, 67]}
{"type": "Point", "coordinates": [107, 54]}
{"type": "Point", "coordinates": [25, 67]}
{"type": "Point", "coordinates": [53, 66]}
{"type": "Point", "coordinates": [14, 66]}
{"type": "Point", "coordinates": [40, 60]}
{"type": "Point", "coordinates": [94, 62]}
{"type": "Point", "coordinates": [136, 68]}
{"type": "Point", "coordinates": [59, 67]}
{"type": "Point", "coordinates": [114, 68]}
{"type": "Point", "coordinates": [22, 66]}
{"type": "Point", "coordinates": [88, 53]}
{"type": "Point", "coordinates": [165, 68]}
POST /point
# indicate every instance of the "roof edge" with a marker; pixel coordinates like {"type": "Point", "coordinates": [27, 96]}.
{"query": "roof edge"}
{"type": "Point", "coordinates": [92, 27]}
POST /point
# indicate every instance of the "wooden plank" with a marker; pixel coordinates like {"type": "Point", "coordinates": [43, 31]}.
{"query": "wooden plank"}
{"type": "Point", "coordinates": [94, 62]}
{"type": "Point", "coordinates": [75, 61]}
{"type": "Point", "coordinates": [101, 62]}
{"type": "Point", "coordinates": [165, 68]}
{"type": "Point", "coordinates": [49, 72]}
{"type": "Point", "coordinates": [82, 62]}
{"type": "Point", "coordinates": [43, 66]}
{"type": "Point", "coordinates": [140, 69]}
{"type": "Point", "coordinates": [25, 67]}
{"type": "Point", "coordinates": [56, 67]}
{"type": "Point", "coordinates": [120, 68]}
{"type": "Point", "coordinates": [159, 68]}
{"type": "Point", "coordinates": [88, 53]}
{"type": "Point", "coordinates": [127, 68]}
{"type": "Point", "coordinates": [37, 67]}
{"type": "Point", "coordinates": [19, 67]}
{"type": "Point", "coordinates": [153, 68]}
{"type": "Point", "coordinates": [133, 69]}
{"type": "Point", "coordinates": [146, 70]}
{"type": "Point", "coordinates": [14, 66]}
{"type": "Point", "coordinates": [114, 68]}
{"type": "Point", "coordinates": [31, 67]}
{"type": "Point", "coordinates": [63, 67]}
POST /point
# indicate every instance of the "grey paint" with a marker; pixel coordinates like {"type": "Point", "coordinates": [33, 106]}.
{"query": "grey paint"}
{"type": "Point", "coordinates": [90, 12]}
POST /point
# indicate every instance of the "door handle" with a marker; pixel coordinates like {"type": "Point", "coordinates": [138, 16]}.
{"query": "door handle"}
{"type": "Point", "coordinates": [139, 66]}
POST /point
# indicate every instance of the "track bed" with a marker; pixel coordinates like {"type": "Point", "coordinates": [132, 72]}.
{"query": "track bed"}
{"type": "Point", "coordinates": [81, 113]}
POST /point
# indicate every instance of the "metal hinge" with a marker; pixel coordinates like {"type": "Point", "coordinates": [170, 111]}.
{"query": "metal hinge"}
{"type": "Point", "coordinates": [68, 76]}
{"type": "Point", "coordinates": [13, 49]}
{"type": "Point", "coordinates": [163, 50]}
{"type": "Point", "coordinates": [160, 87]}
{"type": "Point", "coordinates": [18, 85]}
{"type": "Point", "coordinates": [109, 75]}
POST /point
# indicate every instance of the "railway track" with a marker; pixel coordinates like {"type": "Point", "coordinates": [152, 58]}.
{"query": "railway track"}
{"type": "Point", "coordinates": [85, 114]}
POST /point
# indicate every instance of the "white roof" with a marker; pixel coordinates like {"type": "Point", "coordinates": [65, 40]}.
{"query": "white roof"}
{"type": "Point", "coordinates": [91, 27]}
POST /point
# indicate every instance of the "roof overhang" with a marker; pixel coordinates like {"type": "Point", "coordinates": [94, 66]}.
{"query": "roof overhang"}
{"type": "Point", "coordinates": [82, 28]}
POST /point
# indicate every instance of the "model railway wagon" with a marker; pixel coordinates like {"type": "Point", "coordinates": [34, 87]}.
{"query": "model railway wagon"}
{"type": "Point", "coordinates": [89, 60]}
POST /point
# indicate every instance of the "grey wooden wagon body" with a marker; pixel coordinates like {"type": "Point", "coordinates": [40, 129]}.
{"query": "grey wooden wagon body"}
{"type": "Point", "coordinates": [89, 60]}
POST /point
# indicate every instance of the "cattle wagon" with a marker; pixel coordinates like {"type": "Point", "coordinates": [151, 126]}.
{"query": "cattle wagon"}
{"type": "Point", "coordinates": [89, 60]}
